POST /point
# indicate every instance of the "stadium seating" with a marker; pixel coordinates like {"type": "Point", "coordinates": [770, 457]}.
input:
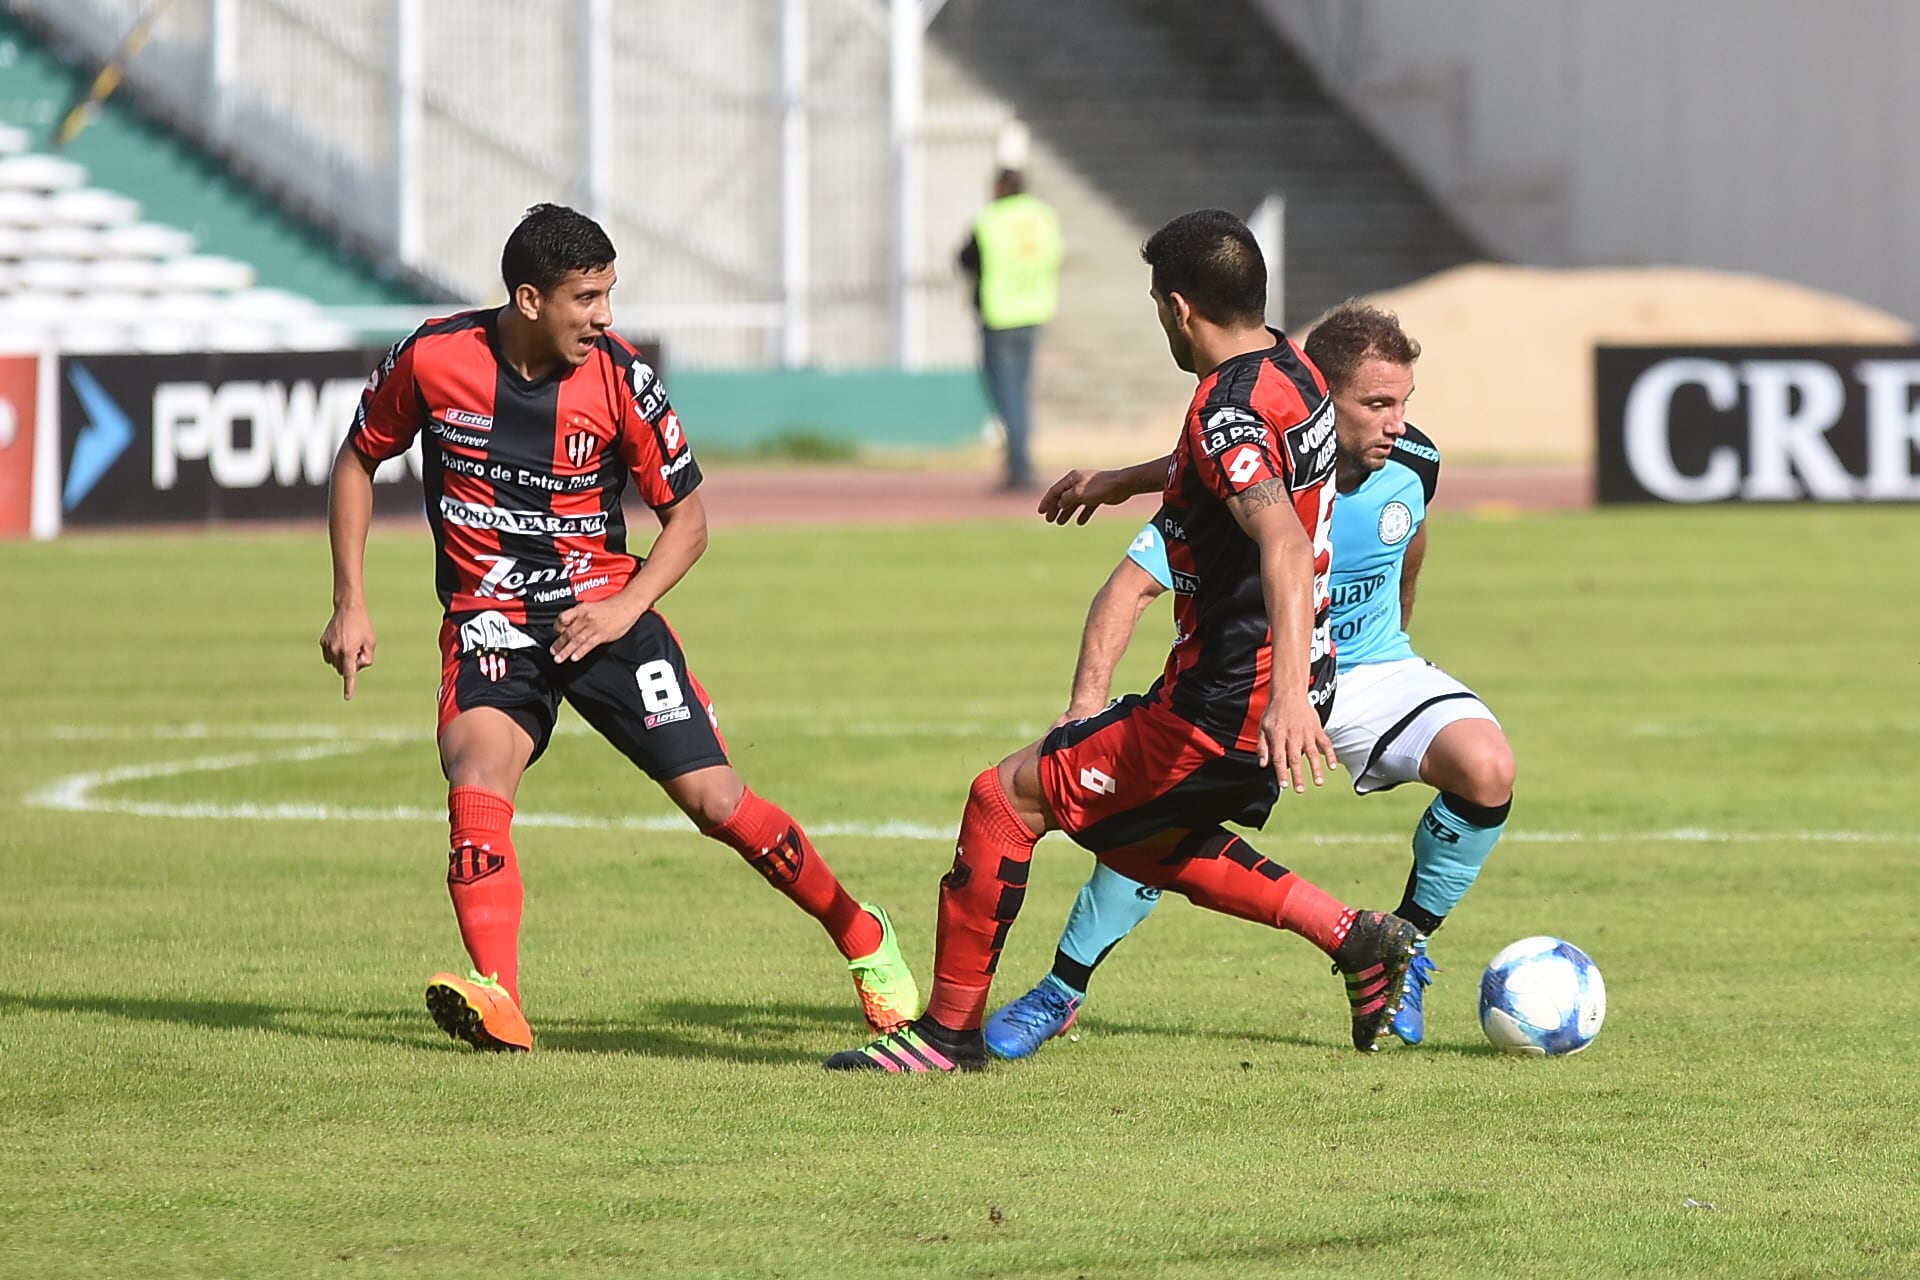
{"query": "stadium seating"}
{"type": "Point", "coordinates": [81, 271]}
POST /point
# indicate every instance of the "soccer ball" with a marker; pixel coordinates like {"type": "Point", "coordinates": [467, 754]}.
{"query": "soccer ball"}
{"type": "Point", "coordinates": [1543, 997]}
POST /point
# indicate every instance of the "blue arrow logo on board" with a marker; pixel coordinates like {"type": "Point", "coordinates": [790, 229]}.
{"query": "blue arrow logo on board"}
{"type": "Point", "coordinates": [103, 437]}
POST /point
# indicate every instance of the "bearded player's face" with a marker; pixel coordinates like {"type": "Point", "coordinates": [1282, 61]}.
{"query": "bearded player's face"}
{"type": "Point", "coordinates": [574, 313]}
{"type": "Point", "coordinates": [1370, 411]}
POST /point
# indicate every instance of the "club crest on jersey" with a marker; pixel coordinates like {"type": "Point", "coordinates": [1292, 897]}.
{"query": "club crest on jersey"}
{"type": "Point", "coordinates": [1311, 446]}
{"type": "Point", "coordinates": [581, 446]}
{"type": "Point", "coordinates": [1396, 522]}
{"type": "Point", "coordinates": [493, 666]}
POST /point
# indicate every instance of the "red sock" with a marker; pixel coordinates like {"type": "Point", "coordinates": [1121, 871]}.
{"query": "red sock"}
{"type": "Point", "coordinates": [483, 879]}
{"type": "Point", "coordinates": [979, 899]}
{"type": "Point", "coordinates": [1222, 872]}
{"type": "Point", "coordinates": [774, 845]}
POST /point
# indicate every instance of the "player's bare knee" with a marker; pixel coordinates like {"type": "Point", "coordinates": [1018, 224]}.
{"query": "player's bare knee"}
{"type": "Point", "coordinates": [708, 796]}
{"type": "Point", "coordinates": [1487, 775]}
{"type": "Point", "coordinates": [1019, 778]}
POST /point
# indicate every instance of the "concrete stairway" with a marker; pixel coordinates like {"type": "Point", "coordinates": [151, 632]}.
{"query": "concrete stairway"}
{"type": "Point", "coordinates": [1143, 109]}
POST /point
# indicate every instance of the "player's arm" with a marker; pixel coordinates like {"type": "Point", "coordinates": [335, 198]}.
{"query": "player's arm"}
{"type": "Point", "coordinates": [1291, 727]}
{"type": "Point", "coordinates": [1410, 574]}
{"type": "Point", "coordinates": [682, 541]}
{"type": "Point", "coordinates": [1111, 621]}
{"type": "Point", "coordinates": [1082, 491]}
{"type": "Point", "coordinates": [348, 642]}
{"type": "Point", "coordinates": [388, 418]}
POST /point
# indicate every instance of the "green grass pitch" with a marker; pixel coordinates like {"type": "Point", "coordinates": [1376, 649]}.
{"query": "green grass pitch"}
{"type": "Point", "coordinates": [223, 892]}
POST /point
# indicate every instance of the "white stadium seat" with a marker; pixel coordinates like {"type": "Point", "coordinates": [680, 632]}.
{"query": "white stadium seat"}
{"type": "Point", "coordinates": [315, 335]}
{"type": "Point", "coordinates": [163, 337]}
{"type": "Point", "coordinates": [92, 207]}
{"type": "Point", "coordinates": [92, 339]}
{"type": "Point", "coordinates": [22, 208]}
{"type": "Point", "coordinates": [147, 240]}
{"type": "Point", "coordinates": [206, 271]}
{"type": "Point", "coordinates": [34, 310]}
{"type": "Point", "coordinates": [52, 275]}
{"type": "Point", "coordinates": [238, 335]}
{"type": "Point", "coordinates": [35, 172]}
{"type": "Point", "coordinates": [14, 241]}
{"type": "Point", "coordinates": [135, 275]}
{"type": "Point", "coordinates": [65, 242]}
{"type": "Point", "coordinates": [185, 308]}
{"type": "Point", "coordinates": [267, 304]}
{"type": "Point", "coordinates": [113, 308]}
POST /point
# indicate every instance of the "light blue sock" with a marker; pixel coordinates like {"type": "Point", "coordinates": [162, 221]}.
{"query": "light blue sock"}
{"type": "Point", "coordinates": [1108, 908]}
{"type": "Point", "coordinates": [1449, 848]}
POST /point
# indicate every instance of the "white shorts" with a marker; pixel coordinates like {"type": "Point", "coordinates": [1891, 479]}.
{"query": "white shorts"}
{"type": "Point", "coordinates": [1386, 715]}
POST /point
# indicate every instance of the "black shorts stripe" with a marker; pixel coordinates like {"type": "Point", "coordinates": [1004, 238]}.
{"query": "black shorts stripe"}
{"type": "Point", "coordinates": [1400, 726]}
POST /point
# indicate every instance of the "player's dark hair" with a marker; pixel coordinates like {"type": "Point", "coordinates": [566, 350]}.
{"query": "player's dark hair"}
{"type": "Point", "coordinates": [551, 242]}
{"type": "Point", "coordinates": [1353, 333]}
{"type": "Point", "coordinates": [1210, 258]}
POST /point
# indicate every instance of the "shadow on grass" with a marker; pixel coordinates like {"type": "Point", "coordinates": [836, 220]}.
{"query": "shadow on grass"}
{"type": "Point", "coordinates": [1300, 1040]}
{"type": "Point", "coordinates": [753, 1033]}
{"type": "Point", "coordinates": [763, 1034]}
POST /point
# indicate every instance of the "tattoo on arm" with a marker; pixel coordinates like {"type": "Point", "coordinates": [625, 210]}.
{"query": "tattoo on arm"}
{"type": "Point", "coordinates": [1268, 493]}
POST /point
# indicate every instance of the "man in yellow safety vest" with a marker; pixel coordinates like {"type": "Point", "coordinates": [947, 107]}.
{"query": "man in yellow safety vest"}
{"type": "Point", "coordinates": [1014, 259]}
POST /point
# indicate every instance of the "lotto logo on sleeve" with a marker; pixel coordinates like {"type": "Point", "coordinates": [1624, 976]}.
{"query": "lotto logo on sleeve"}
{"type": "Point", "coordinates": [1095, 780]}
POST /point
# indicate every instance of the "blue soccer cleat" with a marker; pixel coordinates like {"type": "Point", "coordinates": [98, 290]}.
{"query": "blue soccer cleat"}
{"type": "Point", "coordinates": [1020, 1029]}
{"type": "Point", "coordinates": [1410, 1023]}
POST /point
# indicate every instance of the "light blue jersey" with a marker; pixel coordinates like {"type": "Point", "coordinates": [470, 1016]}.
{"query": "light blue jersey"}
{"type": "Point", "coordinates": [1372, 526]}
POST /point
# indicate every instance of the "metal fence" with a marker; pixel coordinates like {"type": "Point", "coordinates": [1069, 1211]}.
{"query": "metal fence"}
{"type": "Point", "coordinates": [759, 163]}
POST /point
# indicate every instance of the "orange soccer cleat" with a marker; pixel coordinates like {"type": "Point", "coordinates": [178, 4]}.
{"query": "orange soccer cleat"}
{"type": "Point", "coordinates": [479, 1011]}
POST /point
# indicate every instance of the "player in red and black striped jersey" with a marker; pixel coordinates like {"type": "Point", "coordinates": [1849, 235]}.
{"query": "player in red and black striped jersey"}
{"type": "Point", "coordinates": [536, 417]}
{"type": "Point", "coordinates": [1146, 784]}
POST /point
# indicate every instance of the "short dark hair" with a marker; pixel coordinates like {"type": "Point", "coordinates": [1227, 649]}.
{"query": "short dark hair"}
{"type": "Point", "coordinates": [551, 242]}
{"type": "Point", "coordinates": [1353, 333]}
{"type": "Point", "coordinates": [1210, 258]}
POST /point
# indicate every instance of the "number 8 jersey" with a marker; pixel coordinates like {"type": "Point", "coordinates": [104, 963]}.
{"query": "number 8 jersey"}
{"type": "Point", "coordinates": [1260, 416]}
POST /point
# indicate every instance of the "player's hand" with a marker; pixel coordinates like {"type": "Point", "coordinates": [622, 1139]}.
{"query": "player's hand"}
{"type": "Point", "coordinates": [1078, 711]}
{"type": "Point", "coordinates": [1288, 731]}
{"type": "Point", "coordinates": [347, 645]}
{"type": "Point", "coordinates": [1081, 492]}
{"type": "Point", "coordinates": [586, 627]}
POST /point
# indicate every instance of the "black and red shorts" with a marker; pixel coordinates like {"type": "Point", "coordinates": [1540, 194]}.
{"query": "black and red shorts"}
{"type": "Point", "coordinates": [635, 691]}
{"type": "Point", "coordinates": [1139, 768]}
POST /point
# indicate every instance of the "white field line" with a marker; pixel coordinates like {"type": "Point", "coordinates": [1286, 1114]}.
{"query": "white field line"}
{"type": "Point", "coordinates": [568, 728]}
{"type": "Point", "coordinates": [1666, 729]}
{"type": "Point", "coordinates": [76, 793]}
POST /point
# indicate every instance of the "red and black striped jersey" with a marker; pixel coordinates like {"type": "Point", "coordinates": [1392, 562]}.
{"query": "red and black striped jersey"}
{"type": "Point", "coordinates": [1260, 416]}
{"type": "Point", "coordinates": [524, 479]}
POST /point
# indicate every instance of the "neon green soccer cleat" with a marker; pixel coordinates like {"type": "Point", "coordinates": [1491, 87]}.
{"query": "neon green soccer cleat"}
{"type": "Point", "coordinates": [888, 994]}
